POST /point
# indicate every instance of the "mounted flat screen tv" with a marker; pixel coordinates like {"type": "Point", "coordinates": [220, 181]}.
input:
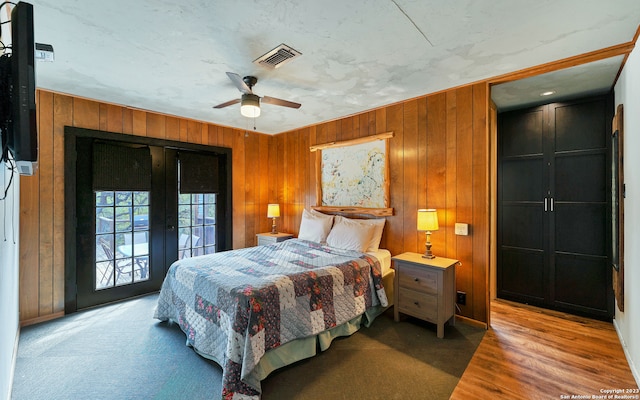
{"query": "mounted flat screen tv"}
{"type": "Point", "coordinates": [19, 126]}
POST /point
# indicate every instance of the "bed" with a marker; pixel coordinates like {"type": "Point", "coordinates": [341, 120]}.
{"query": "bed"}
{"type": "Point", "coordinates": [257, 309]}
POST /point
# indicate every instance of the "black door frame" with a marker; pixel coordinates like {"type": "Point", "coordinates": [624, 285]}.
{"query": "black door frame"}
{"type": "Point", "coordinates": [224, 219]}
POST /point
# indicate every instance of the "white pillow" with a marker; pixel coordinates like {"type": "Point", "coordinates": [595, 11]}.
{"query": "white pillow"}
{"type": "Point", "coordinates": [377, 223]}
{"type": "Point", "coordinates": [315, 226]}
{"type": "Point", "coordinates": [348, 234]}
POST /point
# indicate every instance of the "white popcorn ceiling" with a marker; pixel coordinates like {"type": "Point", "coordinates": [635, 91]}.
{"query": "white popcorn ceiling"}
{"type": "Point", "coordinates": [357, 55]}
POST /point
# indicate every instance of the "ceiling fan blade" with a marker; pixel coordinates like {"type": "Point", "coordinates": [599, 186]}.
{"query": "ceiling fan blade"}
{"type": "Point", "coordinates": [239, 82]}
{"type": "Point", "coordinates": [228, 103]}
{"type": "Point", "coordinates": [280, 102]}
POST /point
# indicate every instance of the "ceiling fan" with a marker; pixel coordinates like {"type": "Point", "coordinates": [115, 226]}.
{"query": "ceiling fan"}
{"type": "Point", "coordinates": [250, 102]}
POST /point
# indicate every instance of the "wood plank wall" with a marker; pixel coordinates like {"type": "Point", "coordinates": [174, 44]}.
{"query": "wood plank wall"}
{"type": "Point", "coordinates": [439, 158]}
{"type": "Point", "coordinates": [42, 195]}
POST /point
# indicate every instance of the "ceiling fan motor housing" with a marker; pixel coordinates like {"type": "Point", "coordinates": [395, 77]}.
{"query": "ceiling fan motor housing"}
{"type": "Point", "coordinates": [250, 81]}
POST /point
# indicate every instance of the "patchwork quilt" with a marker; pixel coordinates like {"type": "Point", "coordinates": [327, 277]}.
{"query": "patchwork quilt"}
{"type": "Point", "coordinates": [234, 306]}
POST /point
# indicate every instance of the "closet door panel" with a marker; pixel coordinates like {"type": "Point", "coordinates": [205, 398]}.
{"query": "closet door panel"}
{"type": "Point", "coordinates": [522, 180]}
{"type": "Point", "coordinates": [579, 283]}
{"type": "Point", "coordinates": [580, 126]}
{"type": "Point", "coordinates": [581, 177]}
{"type": "Point", "coordinates": [522, 226]}
{"type": "Point", "coordinates": [581, 229]}
{"type": "Point", "coordinates": [521, 277]}
{"type": "Point", "coordinates": [521, 133]}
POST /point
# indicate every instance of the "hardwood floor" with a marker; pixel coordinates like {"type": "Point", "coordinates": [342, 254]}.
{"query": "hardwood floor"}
{"type": "Point", "coordinates": [532, 353]}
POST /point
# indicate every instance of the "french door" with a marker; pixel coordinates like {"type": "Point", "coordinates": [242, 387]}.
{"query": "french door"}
{"type": "Point", "coordinates": [136, 208]}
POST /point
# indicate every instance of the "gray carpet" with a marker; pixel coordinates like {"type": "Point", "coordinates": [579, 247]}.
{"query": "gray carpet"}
{"type": "Point", "coordinates": [120, 352]}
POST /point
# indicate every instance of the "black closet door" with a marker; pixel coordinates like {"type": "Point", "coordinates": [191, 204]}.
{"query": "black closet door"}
{"type": "Point", "coordinates": [523, 229]}
{"type": "Point", "coordinates": [581, 272]}
{"type": "Point", "coordinates": [553, 206]}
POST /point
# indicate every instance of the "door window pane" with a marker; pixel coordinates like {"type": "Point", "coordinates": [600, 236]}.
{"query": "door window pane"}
{"type": "Point", "coordinates": [122, 238]}
{"type": "Point", "coordinates": [196, 224]}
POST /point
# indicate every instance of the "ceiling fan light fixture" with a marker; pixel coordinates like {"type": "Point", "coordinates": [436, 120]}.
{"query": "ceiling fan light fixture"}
{"type": "Point", "coordinates": [250, 105]}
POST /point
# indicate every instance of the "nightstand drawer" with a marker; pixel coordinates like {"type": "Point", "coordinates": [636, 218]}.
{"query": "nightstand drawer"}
{"type": "Point", "coordinates": [419, 279]}
{"type": "Point", "coordinates": [420, 305]}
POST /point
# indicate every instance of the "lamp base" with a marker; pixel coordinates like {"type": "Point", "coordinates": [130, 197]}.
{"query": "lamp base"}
{"type": "Point", "coordinates": [273, 227]}
{"type": "Point", "coordinates": [427, 248]}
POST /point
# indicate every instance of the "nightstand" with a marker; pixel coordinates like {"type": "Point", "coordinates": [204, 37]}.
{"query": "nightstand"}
{"type": "Point", "coordinates": [425, 288]}
{"type": "Point", "coordinates": [270, 238]}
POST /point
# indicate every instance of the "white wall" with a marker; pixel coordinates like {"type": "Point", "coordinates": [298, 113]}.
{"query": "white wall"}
{"type": "Point", "coordinates": [9, 274]}
{"type": "Point", "coordinates": [627, 93]}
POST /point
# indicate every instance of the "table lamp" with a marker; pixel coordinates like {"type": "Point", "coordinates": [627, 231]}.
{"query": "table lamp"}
{"type": "Point", "coordinates": [428, 222]}
{"type": "Point", "coordinates": [273, 211]}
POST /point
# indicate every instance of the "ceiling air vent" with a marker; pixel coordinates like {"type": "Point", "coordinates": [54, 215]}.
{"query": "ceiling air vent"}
{"type": "Point", "coordinates": [277, 57]}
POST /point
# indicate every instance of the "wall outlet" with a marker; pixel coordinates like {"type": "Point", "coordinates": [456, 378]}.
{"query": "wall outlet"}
{"type": "Point", "coordinates": [461, 298]}
{"type": "Point", "coordinates": [462, 229]}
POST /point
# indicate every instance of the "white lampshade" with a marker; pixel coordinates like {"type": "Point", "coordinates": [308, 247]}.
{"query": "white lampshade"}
{"type": "Point", "coordinates": [427, 220]}
{"type": "Point", "coordinates": [250, 105]}
{"type": "Point", "coordinates": [273, 210]}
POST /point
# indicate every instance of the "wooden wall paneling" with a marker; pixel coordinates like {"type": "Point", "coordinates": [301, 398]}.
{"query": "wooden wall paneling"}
{"type": "Point", "coordinates": [480, 201]}
{"type": "Point", "coordinates": [204, 133]}
{"type": "Point", "coordinates": [86, 113]}
{"type": "Point", "coordinates": [239, 235]}
{"type": "Point", "coordinates": [139, 123]}
{"type": "Point", "coordinates": [410, 175]}
{"type": "Point", "coordinates": [127, 121]}
{"type": "Point", "coordinates": [422, 167]}
{"type": "Point", "coordinates": [172, 128]}
{"type": "Point", "coordinates": [265, 179]}
{"type": "Point", "coordinates": [29, 259]}
{"type": "Point", "coordinates": [421, 153]}
{"type": "Point", "coordinates": [395, 229]}
{"type": "Point", "coordinates": [311, 167]}
{"type": "Point", "coordinates": [194, 132]}
{"type": "Point", "coordinates": [436, 166]}
{"type": "Point", "coordinates": [184, 136]}
{"type": "Point", "coordinates": [251, 187]}
{"type": "Point", "coordinates": [332, 131]}
{"type": "Point", "coordinates": [303, 170]}
{"type": "Point", "coordinates": [291, 174]}
{"type": "Point", "coordinates": [451, 175]}
{"type": "Point", "coordinates": [464, 195]}
{"type": "Point", "coordinates": [62, 116]}
{"type": "Point", "coordinates": [212, 135]}
{"type": "Point", "coordinates": [115, 118]}
{"type": "Point", "coordinates": [45, 213]}
{"type": "Point", "coordinates": [102, 116]}
{"type": "Point", "coordinates": [279, 186]}
{"type": "Point", "coordinates": [364, 124]}
{"type": "Point", "coordinates": [156, 125]}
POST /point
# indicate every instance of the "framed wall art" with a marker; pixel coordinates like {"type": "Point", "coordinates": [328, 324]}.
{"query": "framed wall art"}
{"type": "Point", "coordinates": [352, 176]}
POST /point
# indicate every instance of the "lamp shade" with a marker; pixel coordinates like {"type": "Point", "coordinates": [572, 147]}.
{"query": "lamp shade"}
{"type": "Point", "coordinates": [427, 220]}
{"type": "Point", "coordinates": [273, 210]}
{"type": "Point", "coordinates": [250, 105]}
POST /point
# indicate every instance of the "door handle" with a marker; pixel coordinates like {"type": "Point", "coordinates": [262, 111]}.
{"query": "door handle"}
{"type": "Point", "coordinates": [545, 204]}
{"type": "Point", "coordinates": [552, 204]}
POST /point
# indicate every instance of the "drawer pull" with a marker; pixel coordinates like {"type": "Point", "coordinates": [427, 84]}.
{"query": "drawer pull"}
{"type": "Point", "coordinates": [416, 303]}
{"type": "Point", "coordinates": [416, 280]}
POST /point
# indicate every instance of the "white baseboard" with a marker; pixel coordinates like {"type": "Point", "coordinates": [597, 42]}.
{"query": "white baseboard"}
{"type": "Point", "coordinates": [632, 366]}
